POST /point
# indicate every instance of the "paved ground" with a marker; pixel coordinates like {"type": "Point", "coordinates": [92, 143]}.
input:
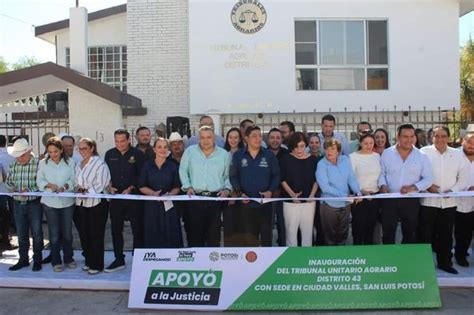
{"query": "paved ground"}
{"type": "Point", "coordinates": [27, 301]}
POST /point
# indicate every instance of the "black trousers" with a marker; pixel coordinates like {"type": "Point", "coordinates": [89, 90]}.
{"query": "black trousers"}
{"type": "Point", "coordinates": [204, 223]}
{"type": "Point", "coordinates": [120, 211]}
{"type": "Point", "coordinates": [93, 222]}
{"type": "Point", "coordinates": [404, 209]}
{"type": "Point", "coordinates": [76, 218]}
{"type": "Point", "coordinates": [230, 214]}
{"type": "Point", "coordinates": [5, 217]}
{"type": "Point", "coordinates": [464, 226]}
{"type": "Point", "coordinates": [319, 237]}
{"type": "Point", "coordinates": [435, 226]}
{"type": "Point", "coordinates": [364, 217]}
{"type": "Point", "coordinates": [255, 224]}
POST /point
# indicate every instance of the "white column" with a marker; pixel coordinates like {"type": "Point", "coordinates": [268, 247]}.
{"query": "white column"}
{"type": "Point", "coordinates": [78, 39]}
{"type": "Point", "coordinates": [217, 123]}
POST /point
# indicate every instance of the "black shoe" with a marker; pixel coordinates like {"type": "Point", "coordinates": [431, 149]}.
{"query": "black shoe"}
{"type": "Point", "coordinates": [448, 269]}
{"type": "Point", "coordinates": [19, 265]}
{"type": "Point", "coordinates": [115, 266]}
{"type": "Point", "coordinates": [462, 261]}
{"type": "Point", "coordinates": [47, 260]}
{"type": "Point", "coordinates": [36, 266]}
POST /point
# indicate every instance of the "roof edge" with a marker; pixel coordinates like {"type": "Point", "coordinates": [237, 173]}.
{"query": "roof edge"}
{"type": "Point", "coordinates": [93, 86]}
{"type": "Point", "coordinates": [58, 25]}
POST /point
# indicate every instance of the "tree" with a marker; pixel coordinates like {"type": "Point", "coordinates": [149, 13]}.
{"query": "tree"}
{"type": "Point", "coordinates": [3, 65]}
{"type": "Point", "coordinates": [467, 80]}
{"type": "Point", "coordinates": [25, 62]}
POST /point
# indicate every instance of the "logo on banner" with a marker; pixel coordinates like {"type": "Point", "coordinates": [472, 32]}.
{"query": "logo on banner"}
{"type": "Point", "coordinates": [151, 256]}
{"type": "Point", "coordinates": [248, 16]}
{"type": "Point", "coordinates": [215, 256]}
{"type": "Point", "coordinates": [196, 287]}
{"type": "Point", "coordinates": [251, 256]}
{"type": "Point", "coordinates": [186, 255]}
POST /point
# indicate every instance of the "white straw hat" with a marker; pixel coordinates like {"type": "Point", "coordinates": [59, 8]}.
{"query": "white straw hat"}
{"type": "Point", "coordinates": [19, 148]}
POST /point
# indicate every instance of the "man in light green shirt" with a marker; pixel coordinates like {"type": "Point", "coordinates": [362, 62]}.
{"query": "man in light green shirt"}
{"type": "Point", "coordinates": [204, 171]}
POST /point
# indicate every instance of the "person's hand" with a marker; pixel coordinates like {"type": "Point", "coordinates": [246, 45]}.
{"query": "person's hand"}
{"type": "Point", "coordinates": [246, 200]}
{"type": "Point", "coordinates": [408, 189]}
{"type": "Point", "coordinates": [157, 193]}
{"type": "Point", "coordinates": [384, 189]}
{"type": "Point", "coordinates": [190, 191]}
{"type": "Point", "coordinates": [127, 191]}
{"type": "Point", "coordinates": [357, 200]}
{"type": "Point", "coordinates": [53, 187]}
{"type": "Point", "coordinates": [266, 194]}
{"type": "Point", "coordinates": [80, 189]}
{"type": "Point", "coordinates": [295, 197]}
{"type": "Point", "coordinates": [113, 190]}
{"type": "Point", "coordinates": [223, 193]}
{"type": "Point", "coordinates": [434, 189]}
{"type": "Point", "coordinates": [310, 201]}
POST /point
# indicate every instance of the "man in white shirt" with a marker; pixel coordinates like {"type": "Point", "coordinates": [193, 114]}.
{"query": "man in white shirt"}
{"type": "Point", "coordinates": [464, 222]}
{"type": "Point", "coordinates": [328, 125]}
{"type": "Point", "coordinates": [437, 215]}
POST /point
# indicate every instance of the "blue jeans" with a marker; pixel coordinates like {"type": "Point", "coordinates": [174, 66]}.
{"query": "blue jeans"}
{"type": "Point", "coordinates": [28, 215]}
{"type": "Point", "coordinates": [60, 233]}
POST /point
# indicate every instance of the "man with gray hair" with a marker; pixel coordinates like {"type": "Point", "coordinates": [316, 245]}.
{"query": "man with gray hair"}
{"type": "Point", "coordinates": [204, 171]}
{"type": "Point", "coordinates": [206, 121]}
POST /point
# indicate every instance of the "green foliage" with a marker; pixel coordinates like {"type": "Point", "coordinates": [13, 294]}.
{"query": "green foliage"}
{"type": "Point", "coordinates": [3, 65]}
{"type": "Point", "coordinates": [467, 80]}
{"type": "Point", "coordinates": [23, 62]}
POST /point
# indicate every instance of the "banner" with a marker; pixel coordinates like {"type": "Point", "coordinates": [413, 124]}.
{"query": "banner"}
{"type": "Point", "coordinates": [279, 278]}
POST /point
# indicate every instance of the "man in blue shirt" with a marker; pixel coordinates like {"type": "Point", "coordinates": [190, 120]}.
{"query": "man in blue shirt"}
{"type": "Point", "coordinates": [404, 169]}
{"type": "Point", "coordinates": [255, 173]}
{"type": "Point", "coordinates": [125, 163]}
{"type": "Point", "coordinates": [204, 171]}
{"type": "Point", "coordinates": [336, 178]}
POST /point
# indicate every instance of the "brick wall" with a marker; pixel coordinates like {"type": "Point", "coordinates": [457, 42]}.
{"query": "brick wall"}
{"type": "Point", "coordinates": [158, 59]}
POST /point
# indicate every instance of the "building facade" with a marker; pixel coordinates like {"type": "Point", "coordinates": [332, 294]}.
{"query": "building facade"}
{"type": "Point", "coordinates": [237, 59]}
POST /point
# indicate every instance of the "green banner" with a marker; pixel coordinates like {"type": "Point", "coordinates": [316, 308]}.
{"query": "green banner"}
{"type": "Point", "coordinates": [350, 277]}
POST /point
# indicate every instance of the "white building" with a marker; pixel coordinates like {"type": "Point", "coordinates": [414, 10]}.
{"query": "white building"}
{"type": "Point", "coordinates": [231, 58]}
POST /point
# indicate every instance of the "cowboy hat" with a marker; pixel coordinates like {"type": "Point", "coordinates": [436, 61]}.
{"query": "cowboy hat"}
{"type": "Point", "coordinates": [19, 148]}
{"type": "Point", "coordinates": [175, 136]}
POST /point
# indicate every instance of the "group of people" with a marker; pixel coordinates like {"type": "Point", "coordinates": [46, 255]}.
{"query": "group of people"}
{"type": "Point", "coordinates": [291, 165]}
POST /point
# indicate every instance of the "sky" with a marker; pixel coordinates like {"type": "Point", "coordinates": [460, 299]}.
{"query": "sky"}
{"type": "Point", "coordinates": [18, 18]}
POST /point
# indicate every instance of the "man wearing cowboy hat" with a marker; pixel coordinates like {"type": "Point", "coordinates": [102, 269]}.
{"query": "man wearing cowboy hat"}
{"type": "Point", "coordinates": [26, 209]}
{"type": "Point", "coordinates": [176, 148]}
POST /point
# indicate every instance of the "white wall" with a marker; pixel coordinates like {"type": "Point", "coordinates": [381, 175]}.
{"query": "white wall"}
{"type": "Point", "coordinates": [423, 57]}
{"type": "Point", "coordinates": [108, 31]}
{"type": "Point", "coordinates": [93, 117]}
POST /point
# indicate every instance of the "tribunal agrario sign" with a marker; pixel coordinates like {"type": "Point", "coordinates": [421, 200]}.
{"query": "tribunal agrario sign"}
{"type": "Point", "coordinates": [248, 16]}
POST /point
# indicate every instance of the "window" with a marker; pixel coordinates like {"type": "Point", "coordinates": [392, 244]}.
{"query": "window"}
{"type": "Point", "coordinates": [341, 54]}
{"type": "Point", "coordinates": [107, 64]}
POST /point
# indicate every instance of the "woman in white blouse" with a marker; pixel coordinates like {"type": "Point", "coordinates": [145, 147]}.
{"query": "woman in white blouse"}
{"type": "Point", "coordinates": [92, 177]}
{"type": "Point", "coordinates": [56, 174]}
{"type": "Point", "coordinates": [366, 166]}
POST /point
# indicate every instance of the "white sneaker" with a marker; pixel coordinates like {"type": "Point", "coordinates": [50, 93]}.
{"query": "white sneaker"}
{"type": "Point", "coordinates": [93, 271]}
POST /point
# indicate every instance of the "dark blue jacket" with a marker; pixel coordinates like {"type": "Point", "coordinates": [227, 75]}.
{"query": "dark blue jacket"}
{"type": "Point", "coordinates": [252, 176]}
